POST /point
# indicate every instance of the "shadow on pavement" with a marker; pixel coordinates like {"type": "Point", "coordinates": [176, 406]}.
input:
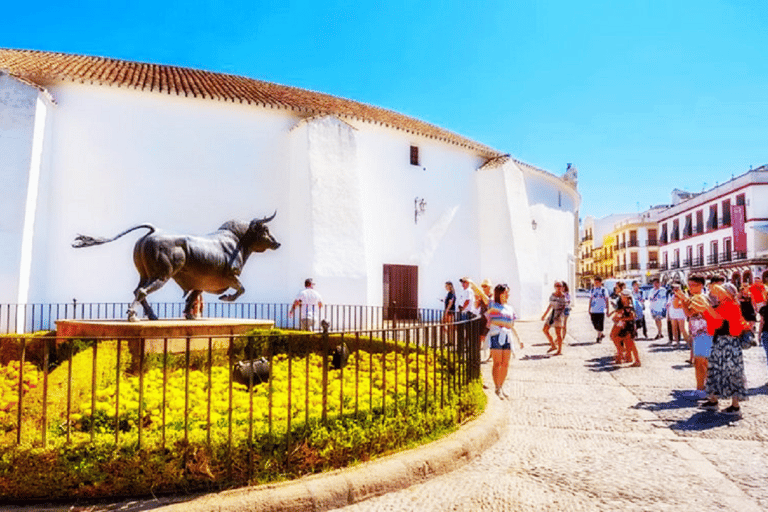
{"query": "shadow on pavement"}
{"type": "Point", "coordinates": [602, 364]}
{"type": "Point", "coordinates": [678, 402]}
{"type": "Point", "coordinates": [582, 344]}
{"type": "Point", "coordinates": [534, 357]}
{"type": "Point", "coordinates": [704, 420]}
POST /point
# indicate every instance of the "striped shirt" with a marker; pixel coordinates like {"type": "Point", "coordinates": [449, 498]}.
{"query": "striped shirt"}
{"type": "Point", "coordinates": [501, 315]}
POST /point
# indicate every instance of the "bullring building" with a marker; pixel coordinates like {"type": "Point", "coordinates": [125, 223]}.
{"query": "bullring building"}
{"type": "Point", "coordinates": [377, 206]}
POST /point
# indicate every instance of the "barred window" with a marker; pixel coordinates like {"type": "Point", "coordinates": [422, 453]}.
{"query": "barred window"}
{"type": "Point", "coordinates": [415, 155]}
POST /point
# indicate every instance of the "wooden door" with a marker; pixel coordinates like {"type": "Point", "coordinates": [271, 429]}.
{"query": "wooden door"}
{"type": "Point", "coordinates": [401, 294]}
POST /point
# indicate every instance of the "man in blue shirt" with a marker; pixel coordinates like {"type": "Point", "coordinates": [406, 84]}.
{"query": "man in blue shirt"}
{"type": "Point", "coordinates": [598, 307]}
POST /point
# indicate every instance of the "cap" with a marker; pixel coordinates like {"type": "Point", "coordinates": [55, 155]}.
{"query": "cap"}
{"type": "Point", "coordinates": [487, 282]}
{"type": "Point", "coordinates": [626, 292]}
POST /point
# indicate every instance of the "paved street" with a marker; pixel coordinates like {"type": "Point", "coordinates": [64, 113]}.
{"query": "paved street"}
{"type": "Point", "coordinates": [584, 434]}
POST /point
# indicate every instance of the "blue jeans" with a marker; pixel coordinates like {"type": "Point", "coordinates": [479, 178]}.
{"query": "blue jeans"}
{"type": "Point", "coordinates": [764, 341]}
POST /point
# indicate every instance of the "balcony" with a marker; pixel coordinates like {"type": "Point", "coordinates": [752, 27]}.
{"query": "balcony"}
{"type": "Point", "coordinates": [634, 266]}
{"type": "Point", "coordinates": [652, 242]}
{"type": "Point", "coordinates": [675, 264]}
{"type": "Point", "coordinates": [712, 259]}
{"type": "Point", "coordinates": [726, 257]}
{"type": "Point", "coordinates": [663, 267]}
{"type": "Point", "coordinates": [632, 243]}
{"type": "Point", "coordinates": [698, 262]}
{"type": "Point", "coordinates": [652, 265]}
{"type": "Point", "coordinates": [739, 255]}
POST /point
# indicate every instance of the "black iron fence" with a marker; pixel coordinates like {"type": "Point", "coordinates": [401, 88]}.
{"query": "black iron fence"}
{"type": "Point", "coordinates": [28, 318]}
{"type": "Point", "coordinates": [158, 393]}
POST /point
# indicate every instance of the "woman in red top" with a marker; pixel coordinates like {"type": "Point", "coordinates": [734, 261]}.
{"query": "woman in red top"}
{"type": "Point", "coordinates": [725, 374]}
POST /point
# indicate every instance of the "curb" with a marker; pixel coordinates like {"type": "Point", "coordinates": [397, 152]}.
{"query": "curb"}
{"type": "Point", "coordinates": [342, 487]}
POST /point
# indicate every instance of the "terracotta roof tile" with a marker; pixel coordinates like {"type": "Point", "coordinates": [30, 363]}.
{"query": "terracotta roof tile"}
{"type": "Point", "coordinates": [44, 68]}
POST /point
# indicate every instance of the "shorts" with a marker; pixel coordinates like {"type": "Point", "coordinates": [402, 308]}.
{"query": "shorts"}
{"type": "Point", "coordinates": [557, 322]}
{"type": "Point", "coordinates": [495, 343]}
{"type": "Point", "coordinates": [702, 345]}
{"type": "Point", "coordinates": [598, 321]}
{"type": "Point", "coordinates": [658, 315]}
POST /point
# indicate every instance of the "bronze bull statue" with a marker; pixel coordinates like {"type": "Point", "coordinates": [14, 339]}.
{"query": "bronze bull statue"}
{"type": "Point", "coordinates": [209, 263]}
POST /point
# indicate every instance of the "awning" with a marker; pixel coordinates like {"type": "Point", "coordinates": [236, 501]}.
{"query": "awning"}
{"type": "Point", "coordinates": [763, 228]}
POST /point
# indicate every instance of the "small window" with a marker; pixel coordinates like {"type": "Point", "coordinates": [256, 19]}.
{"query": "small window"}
{"type": "Point", "coordinates": [415, 155]}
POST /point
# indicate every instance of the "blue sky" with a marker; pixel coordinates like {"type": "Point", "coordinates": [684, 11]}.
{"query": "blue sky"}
{"type": "Point", "coordinates": [642, 97]}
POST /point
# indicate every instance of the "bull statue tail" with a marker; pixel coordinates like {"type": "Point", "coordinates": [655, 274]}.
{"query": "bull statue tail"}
{"type": "Point", "coordinates": [90, 241]}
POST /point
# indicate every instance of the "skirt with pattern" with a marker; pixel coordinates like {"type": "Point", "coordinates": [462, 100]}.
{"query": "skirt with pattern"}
{"type": "Point", "coordinates": [725, 374]}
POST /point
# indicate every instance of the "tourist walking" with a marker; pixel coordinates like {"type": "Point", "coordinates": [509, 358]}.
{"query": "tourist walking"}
{"type": "Point", "coordinates": [701, 340]}
{"type": "Point", "coordinates": [598, 307]}
{"type": "Point", "coordinates": [658, 303]}
{"type": "Point", "coordinates": [623, 332]}
{"type": "Point", "coordinates": [309, 303]}
{"type": "Point", "coordinates": [567, 312]}
{"type": "Point", "coordinates": [677, 317]}
{"type": "Point", "coordinates": [725, 373]}
{"type": "Point", "coordinates": [449, 303]}
{"type": "Point", "coordinates": [465, 301]}
{"type": "Point", "coordinates": [637, 294]}
{"type": "Point", "coordinates": [554, 317]}
{"type": "Point", "coordinates": [745, 304]}
{"type": "Point", "coordinates": [487, 292]}
{"type": "Point", "coordinates": [501, 319]}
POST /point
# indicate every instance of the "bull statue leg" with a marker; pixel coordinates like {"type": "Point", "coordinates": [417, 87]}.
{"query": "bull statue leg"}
{"type": "Point", "coordinates": [140, 298]}
{"type": "Point", "coordinates": [189, 307]}
{"type": "Point", "coordinates": [239, 290]}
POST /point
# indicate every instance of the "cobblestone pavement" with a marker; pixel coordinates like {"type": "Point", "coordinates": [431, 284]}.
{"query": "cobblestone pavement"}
{"type": "Point", "coordinates": [585, 434]}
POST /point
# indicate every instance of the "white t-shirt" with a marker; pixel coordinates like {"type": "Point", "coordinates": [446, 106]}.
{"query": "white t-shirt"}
{"type": "Point", "coordinates": [310, 301]}
{"type": "Point", "coordinates": [463, 296]}
{"type": "Point", "coordinates": [658, 299]}
{"type": "Point", "coordinates": [673, 312]}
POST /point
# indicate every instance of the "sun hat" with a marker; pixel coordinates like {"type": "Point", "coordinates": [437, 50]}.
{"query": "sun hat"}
{"type": "Point", "coordinates": [730, 289]}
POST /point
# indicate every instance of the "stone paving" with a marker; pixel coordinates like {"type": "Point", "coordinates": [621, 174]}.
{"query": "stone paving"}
{"type": "Point", "coordinates": [585, 434]}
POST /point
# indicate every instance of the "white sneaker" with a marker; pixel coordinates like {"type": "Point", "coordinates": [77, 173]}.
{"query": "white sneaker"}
{"type": "Point", "coordinates": [696, 394]}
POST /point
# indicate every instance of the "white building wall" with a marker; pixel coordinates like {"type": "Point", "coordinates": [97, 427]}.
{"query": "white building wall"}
{"type": "Point", "coordinates": [344, 193]}
{"type": "Point", "coordinates": [443, 241]}
{"type": "Point", "coordinates": [120, 157]}
{"type": "Point", "coordinates": [22, 125]}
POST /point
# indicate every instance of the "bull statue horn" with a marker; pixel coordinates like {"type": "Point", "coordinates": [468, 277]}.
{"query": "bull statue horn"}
{"type": "Point", "coordinates": [267, 219]}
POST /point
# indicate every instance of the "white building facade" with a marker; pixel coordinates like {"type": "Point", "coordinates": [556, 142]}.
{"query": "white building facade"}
{"type": "Point", "coordinates": [721, 231]}
{"type": "Point", "coordinates": [363, 195]}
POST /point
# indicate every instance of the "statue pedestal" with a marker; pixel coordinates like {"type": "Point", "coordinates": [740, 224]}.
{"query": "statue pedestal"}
{"type": "Point", "coordinates": [155, 332]}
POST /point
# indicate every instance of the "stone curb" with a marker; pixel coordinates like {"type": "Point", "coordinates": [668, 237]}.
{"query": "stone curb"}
{"type": "Point", "coordinates": [343, 487]}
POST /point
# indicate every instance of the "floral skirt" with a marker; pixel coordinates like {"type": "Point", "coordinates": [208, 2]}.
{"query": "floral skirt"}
{"type": "Point", "coordinates": [725, 374]}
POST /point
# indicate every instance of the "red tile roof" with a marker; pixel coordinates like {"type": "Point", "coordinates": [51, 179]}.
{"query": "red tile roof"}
{"type": "Point", "coordinates": [46, 68]}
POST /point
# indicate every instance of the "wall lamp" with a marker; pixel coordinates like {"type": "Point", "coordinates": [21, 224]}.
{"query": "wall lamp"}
{"type": "Point", "coordinates": [419, 207]}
